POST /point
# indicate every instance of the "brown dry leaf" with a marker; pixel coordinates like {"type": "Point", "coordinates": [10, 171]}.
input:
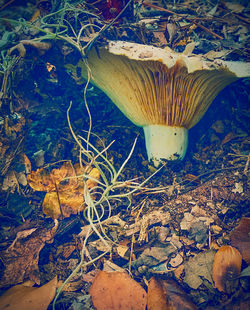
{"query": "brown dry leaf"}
{"type": "Point", "coordinates": [40, 180]}
{"type": "Point", "coordinates": [27, 163]}
{"type": "Point", "coordinates": [23, 297]}
{"type": "Point", "coordinates": [161, 37]}
{"type": "Point", "coordinates": [167, 294]}
{"type": "Point", "coordinates": [71, 202]}
{"type": "Point", "coordinates": [43, 180]}
{"type": "Point", "coordinates": [64, 187]}
{"type": "Point", "coordinates": [21, 235]}
{"type": "Point", "coordinates": [3, 147]}
{"type": "Point", "coordinates": [198, 268]}
{"type": "Point", "coordinates": [178, 272]}
{"type": "Point", "coordinates": [240, 238]}
{"type": "Point", "coordinates": [156, 298]}
{"type": "Point", "coordinates": [19, 125]}
{"type": "Point", "coordinates": [10, 182]}
{"type": "Point", "coordinates": [117, 290]}
{"type": "Point", "coordinates": [68, 250]}
{"type": "Point", "coordinates": [226, 268]}
{"type": "Point", "coordinates": [21, 258]}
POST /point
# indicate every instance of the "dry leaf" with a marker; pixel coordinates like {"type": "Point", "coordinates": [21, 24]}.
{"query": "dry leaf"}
{"type": "Point", "coordinates": [161, 37]}
{"type": "Point", "coordinates": [189, 48]}
{"type": "Point", "coordinates": [117, 290]}
{"type": "Point", "coordinates": [198, 268]}
{"type": "Point", "coordinates": [156, 298]}
{"type": "Point", "coordinates": [21, 235]}
{"type": "Point", "coordinates": [43, 180]}
{"type": "Point", "coordinates": [235, 7]}
{"type": "Point", "coordinates": [226, 268]}
{"type": "Point", "coordinates": [211, 55]}
{"type": "Point", "coordinates": [64, 187]}
{"type": "Point", "coordinates": [167, 295]}
{"type": "Point", "coordinates": [10, 182]}
{"type": "Point", "coordinates": [71, 202]}
{"type": "Point", "coordinates": [240, 238]}
{"type": "Point", "coordinates": [21, 297]}
{"type": "Point", "coordinates": [21, 258]}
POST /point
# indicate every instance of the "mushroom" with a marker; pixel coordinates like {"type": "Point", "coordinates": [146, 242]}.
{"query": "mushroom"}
{"type": "Point", "coordinates": [158, 89]}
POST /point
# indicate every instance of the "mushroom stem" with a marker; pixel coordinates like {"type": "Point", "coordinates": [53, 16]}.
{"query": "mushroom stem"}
{"type": "Point", "coordinates": [165, 142]}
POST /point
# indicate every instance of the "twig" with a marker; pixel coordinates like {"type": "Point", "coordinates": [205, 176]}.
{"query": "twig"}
{"type": "Point", "coordinates": [247, 164]}
{"type": "Point", "coordinates": [183, 15]}
{"type": "Point", "coordinates": [207, 30]}
{"type": "Point", "coordinates": [58, 198]}
{"type": "Point", "coordinates": [133, 236]}
{"type": "Point", "coordinates": [6, 4]}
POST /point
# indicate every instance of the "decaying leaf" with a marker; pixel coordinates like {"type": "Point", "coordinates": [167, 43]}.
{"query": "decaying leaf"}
{"type": "Point", "coordinates": [151, 218]}
{"type": "Point", "coordinates": [198, 268]}
{"type": "Point", "coordinates": [240, 238]}
{"type": "Point", "coordinates": [117, 290]}
{"type": "Point", "coordinates": [167, 294]}
{"type": "Point", "coordinates": [24, 297]}
{"type": "Point", "coordinates": [43, 180]}
{"type": "Point", "coordinates": [64, 187]}
{"type": "Point", "coordinates": [156, 298]}
{"type": "Point", "coordinates": [235, 7]}
{"type": "Point", "coordinates": [71, 202]}
{"type": "Point", "coordinates": [153, 257]}
{"type": "Point", "coordinates": [226, 268]}
{"type": "Point", "coordinates": [21, 235]}
{"type": "Point", "coordinates": [10, 182]}
{"type": "Point", "coordinates": [21, 258]}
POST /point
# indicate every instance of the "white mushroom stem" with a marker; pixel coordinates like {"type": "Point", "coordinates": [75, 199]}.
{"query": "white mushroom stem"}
{"type": "Point", "coordinates": [165, 142]}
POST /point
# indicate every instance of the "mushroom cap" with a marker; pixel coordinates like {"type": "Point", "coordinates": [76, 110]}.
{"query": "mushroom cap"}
{"type": "Point", "coordinates": [155, 86]}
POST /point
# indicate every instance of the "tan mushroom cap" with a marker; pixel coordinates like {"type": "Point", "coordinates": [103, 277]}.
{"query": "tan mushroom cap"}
{"type": "Point", "coordinates": [151, 85]}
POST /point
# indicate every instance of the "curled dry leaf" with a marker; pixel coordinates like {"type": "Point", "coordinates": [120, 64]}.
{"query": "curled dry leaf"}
{"type": "Point", "coordinates": [117, 290]}
{"type": "Point", "coordinates": [166, 295]}
{"type": "Point", "coordinates": [240, 238]}
{"type": "Point", "coordinates": [226, 268]}
{"type": "Point", "coordinates": [23, 297]}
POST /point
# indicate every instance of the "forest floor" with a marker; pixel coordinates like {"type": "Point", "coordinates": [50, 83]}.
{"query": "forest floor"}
{"type": "Point", "coordinates": [169, 228]}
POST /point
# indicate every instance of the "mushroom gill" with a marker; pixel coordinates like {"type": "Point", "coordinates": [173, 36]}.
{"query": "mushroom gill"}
{"type": "Point", "coordinates": [160, 90]}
